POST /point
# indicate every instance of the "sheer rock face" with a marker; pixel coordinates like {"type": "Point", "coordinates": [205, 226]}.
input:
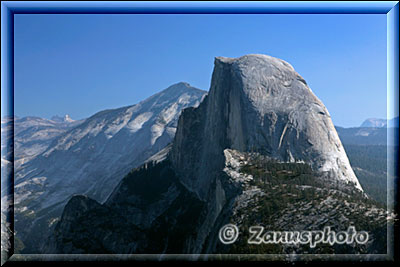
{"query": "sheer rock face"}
{"type": "Point", "coordinates": [257, 103]}
{"type": "Point", "coordinates": [178, 205]}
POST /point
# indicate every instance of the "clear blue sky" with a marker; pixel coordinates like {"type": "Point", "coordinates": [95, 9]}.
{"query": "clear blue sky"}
{"type": "Point", "coordinates": [82, 64]}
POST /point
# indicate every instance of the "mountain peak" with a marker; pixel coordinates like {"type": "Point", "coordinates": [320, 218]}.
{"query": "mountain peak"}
{"type": "Point", "coordinates": [60, 119]}
{"type": "Point", "coordinates": [374, 122]}
{"type": "Point", "coordinates": [381, 123]}
{"type": "Point", "coordinates": [260, 78]}
{"type": "Point", "coordinates": [260, 137]}
{"type": "Point", "coordinates": [105, 147]}
{"type": "Point", "coordinates": [181, 87]}
{"type": "Point", "coordinates": [257, 103]}
{"type": "Point", "coordinates": [258, 59]}
{"type": "Point", "coordinates": [67, 118]}
{"type": "Point", "coordinates": [182, 84]}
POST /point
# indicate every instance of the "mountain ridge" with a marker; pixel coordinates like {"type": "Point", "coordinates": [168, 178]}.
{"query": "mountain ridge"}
{"type": "Point", "coordinates": [107, 144]}
{"type": "Point", "coordinates": [381, 123]}
{"type": "Point", "coordinates": [218, 170]}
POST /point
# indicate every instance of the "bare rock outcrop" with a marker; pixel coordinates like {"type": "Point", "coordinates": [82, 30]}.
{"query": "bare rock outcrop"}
{"type": "Point", "coordinates": [257, 103]}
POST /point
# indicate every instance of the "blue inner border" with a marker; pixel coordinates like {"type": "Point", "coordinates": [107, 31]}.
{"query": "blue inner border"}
{"type": "Point", "coordinates": [192, 7]}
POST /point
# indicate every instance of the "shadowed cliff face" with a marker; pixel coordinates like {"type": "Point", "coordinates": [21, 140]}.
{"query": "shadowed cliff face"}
{"type": "Point", "coordinates": [257, 103]}
{"type": "Point", "coordinates": [259, 150]}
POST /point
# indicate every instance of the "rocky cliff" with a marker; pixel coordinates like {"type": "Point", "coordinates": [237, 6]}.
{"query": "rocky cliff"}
{"type": "Point", "coordinates": [258, 103]}
{"type": "Point", "coordinates": [259, 137]}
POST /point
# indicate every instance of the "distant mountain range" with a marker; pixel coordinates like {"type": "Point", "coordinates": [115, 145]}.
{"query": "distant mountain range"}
{"type": "Point", "coordinates": [32, 135]}
{"type": "Point", "coordinates": [66, 118]}
{"type": "Point", "coordinates": [260, 149]}
{"type": "Point", "coordinates": [61, 157]}
{"type": "Point", "coordinates": [373, 122]}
